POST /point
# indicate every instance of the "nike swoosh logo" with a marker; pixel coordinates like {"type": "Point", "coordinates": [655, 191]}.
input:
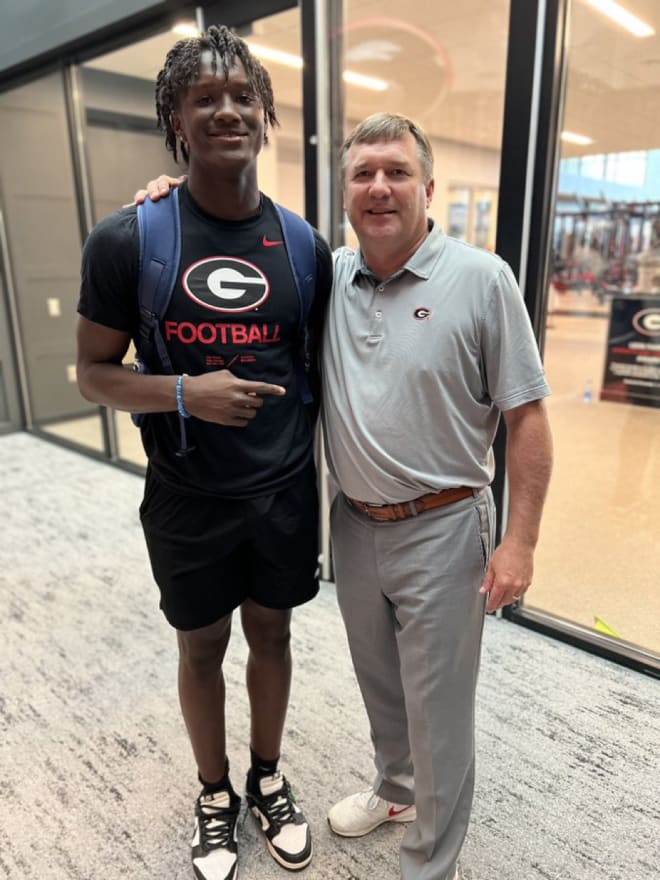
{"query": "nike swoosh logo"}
{"type": "Point", "coordinates": [266, 242]}
{"type": "Point", "coordinates": [395, 812]}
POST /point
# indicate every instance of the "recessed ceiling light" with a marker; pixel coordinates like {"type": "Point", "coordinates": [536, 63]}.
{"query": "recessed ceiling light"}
{"type": "Point", "coordinates": [622, 17]}
{"type": "Point", "coordinates": [295, 61]}
{"type": "Point", "coordinates": [186, 29]}
{"type": "Point", "coordinates": [279, 57]}
{"type": "Point", "coordinates": [366, 82]}
{"type": "Point", "coordinates": [572, 138]}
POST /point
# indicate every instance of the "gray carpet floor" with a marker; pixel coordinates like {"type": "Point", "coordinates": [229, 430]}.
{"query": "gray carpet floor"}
{"type": "Point", "coordinates": [97, 780]}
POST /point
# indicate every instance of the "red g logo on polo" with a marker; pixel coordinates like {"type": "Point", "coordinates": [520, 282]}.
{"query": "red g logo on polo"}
{"type": "Point", "coordinates": [422, 314]}
{"type": "Point", "coordinates": [226, 284]}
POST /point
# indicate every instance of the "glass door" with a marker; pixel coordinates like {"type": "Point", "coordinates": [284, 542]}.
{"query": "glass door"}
{"type": "Point", "coordinates": [40, 260]}
{"type": "Point", "coordinates": [597, 562]}
{"type": "Point", "coordinates": [445, 67]}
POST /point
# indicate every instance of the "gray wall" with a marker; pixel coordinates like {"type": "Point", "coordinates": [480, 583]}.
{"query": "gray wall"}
{"type": "Point", "coordinates": [10, 409]}
{"type": "Point", "coordinates": [124, 147]}
{"type": "Point", "coordinates": [116, 93]}
{"type": "Point", "coordinates": [43, 237]}
{"type": "Point", "coordinates": [39, 202]}
{"type": "Point", "coordinates": [121, 162]}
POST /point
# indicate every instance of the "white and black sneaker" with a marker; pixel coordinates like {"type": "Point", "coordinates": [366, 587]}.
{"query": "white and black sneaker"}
{"type": "Point", "coordinates": [214, 848]}
{"type": "Point", "coordinates": [287, 833]}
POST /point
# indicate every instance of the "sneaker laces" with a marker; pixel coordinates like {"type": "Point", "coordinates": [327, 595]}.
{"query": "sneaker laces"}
{"type": "Point", "coordinates": [216, 823]}
{"type": "Point", "coordinates": [279, 805]}
{"type": "Point", "coordinates": [368, 799]}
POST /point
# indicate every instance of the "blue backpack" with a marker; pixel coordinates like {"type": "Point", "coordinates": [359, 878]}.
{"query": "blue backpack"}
{"type": "Point", "coordinates": [160, 254]}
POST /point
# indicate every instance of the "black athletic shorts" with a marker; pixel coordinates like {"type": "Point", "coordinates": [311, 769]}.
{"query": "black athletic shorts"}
{"type": "Point", "coordinates": [210, 554]}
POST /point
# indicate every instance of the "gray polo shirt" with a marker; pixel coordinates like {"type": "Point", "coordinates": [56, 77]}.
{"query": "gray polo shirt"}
{"type": "Point", "coordinates": [417, 369]}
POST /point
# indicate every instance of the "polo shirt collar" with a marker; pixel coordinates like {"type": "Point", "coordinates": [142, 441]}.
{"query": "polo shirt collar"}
{"type": "Point", "coordinates": [422, 261]}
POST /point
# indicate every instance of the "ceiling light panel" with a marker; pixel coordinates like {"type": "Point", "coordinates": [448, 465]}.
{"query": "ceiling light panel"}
{"type": "Point", "coordinates": [571, 138]}
{"type": "Point", "coordinates": [621, 16]}
{"type": "Point", "coordinates": [186, 29]}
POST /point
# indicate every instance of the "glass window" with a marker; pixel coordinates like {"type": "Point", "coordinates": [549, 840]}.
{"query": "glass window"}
{"type": "Point", "coordinates": [597, 558]}
{"type": "Point", "coordinates": [44, 240]}
{"type": "Point", "coordinates": [627, 168]}
{"type": "Point", "coordinates": [444, 67]}
{"type": "Point", "coordinates": [457, 213]}
{"type": "Point", "coordinates": [593, 166]}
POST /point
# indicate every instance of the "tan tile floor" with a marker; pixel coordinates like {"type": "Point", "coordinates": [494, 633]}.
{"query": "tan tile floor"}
{"type": "Point", "coordinates": [600, 544]}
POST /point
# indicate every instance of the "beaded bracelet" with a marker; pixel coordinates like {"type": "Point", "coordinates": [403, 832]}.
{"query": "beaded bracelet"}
{"type": "Point", "coordinates": [183, 412]}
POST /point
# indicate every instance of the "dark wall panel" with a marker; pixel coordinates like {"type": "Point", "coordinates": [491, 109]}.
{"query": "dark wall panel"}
{"type": "Point", "coordinates": [33, 28]}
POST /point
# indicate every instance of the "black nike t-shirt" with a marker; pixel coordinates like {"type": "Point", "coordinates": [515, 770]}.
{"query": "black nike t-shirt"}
{"type": "Point", "coordinates": [235, 306]}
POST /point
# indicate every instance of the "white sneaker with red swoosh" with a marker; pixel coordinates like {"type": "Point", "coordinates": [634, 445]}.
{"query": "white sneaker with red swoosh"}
{"type": "Point", "coordinates": [360, 813]}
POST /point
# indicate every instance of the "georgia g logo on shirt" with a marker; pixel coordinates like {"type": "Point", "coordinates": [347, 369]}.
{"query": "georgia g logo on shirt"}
{"type": "Point", "coordinates": [226, 284]}
{"type": "Point", "coordinates": [422, 314]}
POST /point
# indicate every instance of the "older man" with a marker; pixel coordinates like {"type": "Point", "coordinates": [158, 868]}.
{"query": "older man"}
{"type": "Point", "coordinates": [427, 342]}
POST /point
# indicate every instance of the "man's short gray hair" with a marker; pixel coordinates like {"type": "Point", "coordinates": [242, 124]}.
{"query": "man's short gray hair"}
{"type": "Point", "coordinates": [389, 127]}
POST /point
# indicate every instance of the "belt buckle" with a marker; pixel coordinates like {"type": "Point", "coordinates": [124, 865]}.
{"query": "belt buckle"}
{"type": "Point", "coordinates": [378, 512]}
{"type": "Point", "coordinates": [401, 510]}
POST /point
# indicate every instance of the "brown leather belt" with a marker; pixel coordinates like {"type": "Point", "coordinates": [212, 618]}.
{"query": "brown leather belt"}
{"type": "Point", "coordinates": [406, 509]}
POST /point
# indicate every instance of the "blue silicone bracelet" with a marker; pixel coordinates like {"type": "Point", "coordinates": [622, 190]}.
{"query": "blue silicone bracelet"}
{"type": "Point", "coordinates": [183, 412]}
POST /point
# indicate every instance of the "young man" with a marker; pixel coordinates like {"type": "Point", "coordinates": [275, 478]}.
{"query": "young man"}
{"type": "Point", "coordinates": [427, 343]}
{"type": "Point", "coordinates": [230, 517]}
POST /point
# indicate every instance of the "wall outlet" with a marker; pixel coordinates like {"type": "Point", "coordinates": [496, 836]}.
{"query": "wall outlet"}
{"type": "Point", "coordinates": [54, 307]}
{"type": "Point", "coordinates": [71, 373]}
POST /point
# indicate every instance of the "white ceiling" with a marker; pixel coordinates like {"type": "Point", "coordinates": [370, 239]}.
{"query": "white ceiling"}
{"type": "Point", "coordinates": [445, 66]}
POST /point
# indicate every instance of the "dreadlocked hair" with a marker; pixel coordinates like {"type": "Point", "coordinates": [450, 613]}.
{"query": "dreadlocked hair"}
{"type": "Point", "coordinates": [181, 69]}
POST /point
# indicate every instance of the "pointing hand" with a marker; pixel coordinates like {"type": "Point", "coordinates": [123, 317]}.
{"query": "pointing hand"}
{"type": "Point", "coordinates": [225, 399]}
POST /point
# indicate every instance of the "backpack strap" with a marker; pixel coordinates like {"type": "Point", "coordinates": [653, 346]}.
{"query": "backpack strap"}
{"type": "Point", "coordinates": [160, 254]}
{"type": "Point", "coordinates": [301, 249]}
